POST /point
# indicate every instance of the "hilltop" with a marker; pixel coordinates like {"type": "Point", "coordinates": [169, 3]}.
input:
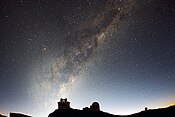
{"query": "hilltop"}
{"type": "Point", "coordinates": [64, 109]}
{"type": "Point", "coordinates": [166, 112]}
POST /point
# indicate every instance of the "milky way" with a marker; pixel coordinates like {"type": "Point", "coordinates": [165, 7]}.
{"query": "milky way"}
{"type": "Point", "coordinates": [80, 49]}
{"type": "Point", "coordinates": [119, 53]}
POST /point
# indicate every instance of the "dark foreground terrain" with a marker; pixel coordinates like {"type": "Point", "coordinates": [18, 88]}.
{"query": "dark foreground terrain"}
{"type": "Point", "coordinates": [2, 115]}
{"type": "Point", "coordinates": [163, 112]}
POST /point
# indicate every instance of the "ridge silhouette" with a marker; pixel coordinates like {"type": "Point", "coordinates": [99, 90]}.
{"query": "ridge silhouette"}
{"type": "Point", "coordinates": [64, 109]}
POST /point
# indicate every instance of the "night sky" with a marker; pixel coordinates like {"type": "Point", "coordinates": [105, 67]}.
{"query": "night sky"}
{"type": "Point", "coordinates": [120, 53]}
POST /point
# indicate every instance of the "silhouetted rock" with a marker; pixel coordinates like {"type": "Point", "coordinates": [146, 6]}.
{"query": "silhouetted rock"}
{"type": "Point", "coordinates": [18, 115]}
{"type": "Point", "coordinates": [2, 115]}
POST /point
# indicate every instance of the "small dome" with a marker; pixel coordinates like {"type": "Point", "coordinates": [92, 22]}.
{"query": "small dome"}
{"type": "Point", "coordinates": [95, 104]}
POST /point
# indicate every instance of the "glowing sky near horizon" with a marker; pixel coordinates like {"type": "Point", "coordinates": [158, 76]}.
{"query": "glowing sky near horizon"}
{"type": "Point", "coordinates": [120, 53]}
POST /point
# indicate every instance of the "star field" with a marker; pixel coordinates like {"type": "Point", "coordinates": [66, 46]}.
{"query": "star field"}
{"type": "Point", "coordinates": [117, 52]}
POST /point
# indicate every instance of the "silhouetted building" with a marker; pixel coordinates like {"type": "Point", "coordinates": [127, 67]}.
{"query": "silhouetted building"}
{"type": "Point", "coordinates": [18, 115]}
{"type": "Point", "coordinates": [95, 106]}
{"type": "Point", "coordinates": [63, 104]}
{"type": "Point", "coordinates": [146, 108]}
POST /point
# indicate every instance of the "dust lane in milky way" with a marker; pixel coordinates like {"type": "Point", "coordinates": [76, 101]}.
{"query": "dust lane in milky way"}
{"type": "Point", "coordinates": [82, 44]}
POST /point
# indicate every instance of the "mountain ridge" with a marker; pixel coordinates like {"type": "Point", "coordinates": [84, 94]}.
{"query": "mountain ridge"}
{"type": "Point", "coordinates": [167, 112]}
